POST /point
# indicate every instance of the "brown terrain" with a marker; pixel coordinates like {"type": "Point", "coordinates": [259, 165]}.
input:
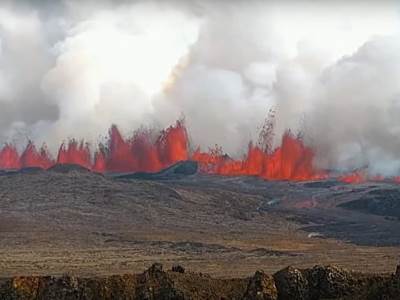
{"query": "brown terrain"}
{"type": "Point", "coordinates": [319, 282]}
{"type": "Point", "coordinates": [68, 220]}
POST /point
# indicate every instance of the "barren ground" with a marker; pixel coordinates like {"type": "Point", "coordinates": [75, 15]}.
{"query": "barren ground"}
{"type": "Point", "coordinates": [86, 224]}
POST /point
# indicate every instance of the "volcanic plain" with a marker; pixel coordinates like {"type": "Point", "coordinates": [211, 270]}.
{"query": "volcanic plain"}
{"type": "Point", "coordinates": [70, 220]}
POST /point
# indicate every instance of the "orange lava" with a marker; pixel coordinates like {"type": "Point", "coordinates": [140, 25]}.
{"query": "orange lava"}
{"type": "Point", "coordinates": [33, 158]}
{"type": "Point", "coordinates": [356, 177]}
{"type": "Point", "coordinates": [9, 158]}
{"type": "Point", "coordinates": [74, 153]}
{"type": "Point", "coordinates": [140, 153]}
{"type": "Point", "coordinates": [292, 160]}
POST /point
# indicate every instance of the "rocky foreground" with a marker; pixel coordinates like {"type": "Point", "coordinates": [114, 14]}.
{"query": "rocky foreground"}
{"type": "Point", "coordinates": [319, 282]}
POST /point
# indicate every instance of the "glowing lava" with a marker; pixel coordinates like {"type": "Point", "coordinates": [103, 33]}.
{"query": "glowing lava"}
{"type": "Point", "coordinates": [140, 153]}
{"type": "Point", "coordinates": [144, 151]}
{"type": "Point", "coordinates": [74, 153]}
{"type": "Point", "coordinates": [9, 158]}
{"type": "Point", "coordinates": [292, 160]}
{"type": "Point", "coordinates": [356, 177]}
{"type": "Point", "coordinates": [361, 176]}
{"type": "Point", "coordinates": [33, 158]}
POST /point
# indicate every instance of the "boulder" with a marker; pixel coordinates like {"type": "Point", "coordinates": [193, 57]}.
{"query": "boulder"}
{"type": "Point", "coordinates": [65, 287]}
{"type": "Point", "coordinates": [154, 284]}
{"type": "Point", "coordinates": [261, 287]}
{"type": "Point", "coordinates": [291, 284]}
{"type": "Point", "coordinates": [178, 269]}
{"type": "Point", "coordinates": [329, 282]}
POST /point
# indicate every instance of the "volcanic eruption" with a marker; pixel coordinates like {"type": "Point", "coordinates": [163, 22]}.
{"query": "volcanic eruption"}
{"type": "Point", "coordinates": [291, 160]}
{"type": "Point", "coordinates": [146, 151]}
{"type": "Point", "coordinates": [116, 66]}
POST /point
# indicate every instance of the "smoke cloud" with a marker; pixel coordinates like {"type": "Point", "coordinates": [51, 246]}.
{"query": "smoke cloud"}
{"type": "Point", "coordinates": [331, 70]}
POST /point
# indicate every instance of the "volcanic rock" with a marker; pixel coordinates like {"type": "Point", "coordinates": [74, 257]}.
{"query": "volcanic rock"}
{"type": "Point", "coordinates": [291, 284]}
{"type": "Point", "coordinates": [31, 170]}
{"type": "Point", "coordinates": [65, 287]}
{"type": "Point", "coordinates": [156, 270]}
{"type": "Point", "coordinates": [20, 288]}
{"type": "Point", "coordinates": [322, 184]}
{"type": "Point", "coordinates": [261, 287]}
{"type": "Point", "coordinates": [178, 269]}
{"type": "Point", "coordinates": [316, 283]}
{"type": "Point", "coordinates": [176, 171]}
{"type": "Point", "coordinates": [382, 202]}
{"type": "Point", "coordinates": [67, 168]}
{"type": "Point", "coordinates": [329, 282]}
{"type": "Point", "coordinates": [155, 284]}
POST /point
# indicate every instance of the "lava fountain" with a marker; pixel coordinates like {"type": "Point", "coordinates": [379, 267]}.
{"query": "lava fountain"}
{"type": "Point", "coordinates": [142, 152]}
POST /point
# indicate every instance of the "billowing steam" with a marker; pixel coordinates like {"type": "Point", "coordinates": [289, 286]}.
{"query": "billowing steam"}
{"type": "Point", "coordinates": [331, 70]}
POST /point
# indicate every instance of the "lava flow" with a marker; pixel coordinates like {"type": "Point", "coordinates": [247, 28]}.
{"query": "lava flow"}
{"type": "Point", "coordinates": [361, 176]}
{"type": "Point", "coordinates": [292, 160]}
{"type": "Point", "coordinates": [356, 177]}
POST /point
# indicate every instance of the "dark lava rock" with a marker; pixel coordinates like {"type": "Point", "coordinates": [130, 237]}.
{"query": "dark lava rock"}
{"type": "Point", "coordinates": [178, 269]}
{"type": "Point", "coordinates": [30, 170]}
{"type": "Point", "coordinates": [65, 287]}
{"type": "Point", "coordinates": [269, 252]}
{"type": "Point", "coordinates": [27, 170]}
{"type": "Point", "coordinates": [329, 282]}
{"type": "Point", "coordinates": [154, 284]}
{"type": "Point", "coordinates": [20, 288]}
{"type": "Point", "coordinates": [261, 287]}
{"type": "Point", "coordinates": [310, 284]}
{"type": "Point", "coordinates": [291, 284]}
{"type": "Point", "coordinates": [176, 171]}
{"type": "Point", "coordinates": [188, 167]}
{"type": "Point", "coordinates": [322, 184]}
{"type": "Point", "coordinates": [8, 172]}
{"type": "Point", "coordinates": [383, 202]}
{"type": "Point", "coordinates": [112, 287]}
{"type": "Point", "coordinates": [155, 269]}
{"type": "Point", "coordinates": [66, 168]}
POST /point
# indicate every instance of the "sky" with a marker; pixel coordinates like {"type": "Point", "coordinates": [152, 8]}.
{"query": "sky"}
{"type": "Point", "coordinates": [330, 69]}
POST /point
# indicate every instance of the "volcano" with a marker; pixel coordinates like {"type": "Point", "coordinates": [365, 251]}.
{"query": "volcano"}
{"type": "Point", "coordinates": [157, 197]}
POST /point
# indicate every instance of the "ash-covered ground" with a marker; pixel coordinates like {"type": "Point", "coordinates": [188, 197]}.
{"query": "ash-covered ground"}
{"type": "Point", "coordinates": [70, 220]}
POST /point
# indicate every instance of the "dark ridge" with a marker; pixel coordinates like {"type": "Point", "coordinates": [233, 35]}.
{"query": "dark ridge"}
{"type": "Point", "coordinates": [66, 168]}
{"type": "Point", "coordinates": [269, 252]}
{"type": "Point", "coordinates": [319, 282]}
{"type": "Point", "coordinates": [8, 172]}
{"type": "Point", "coordinates": [176, 171]}
{"type": "Point", "coordinates": [322, 184]}
{"type": "Point", "coordinates": [27, 170]}
{"type": "Point", "coordinates": [184, 247]}
{"type": "Point", "coordinates": [382, 202]}
{"type": "Point", "coordinates": [30, 170]}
